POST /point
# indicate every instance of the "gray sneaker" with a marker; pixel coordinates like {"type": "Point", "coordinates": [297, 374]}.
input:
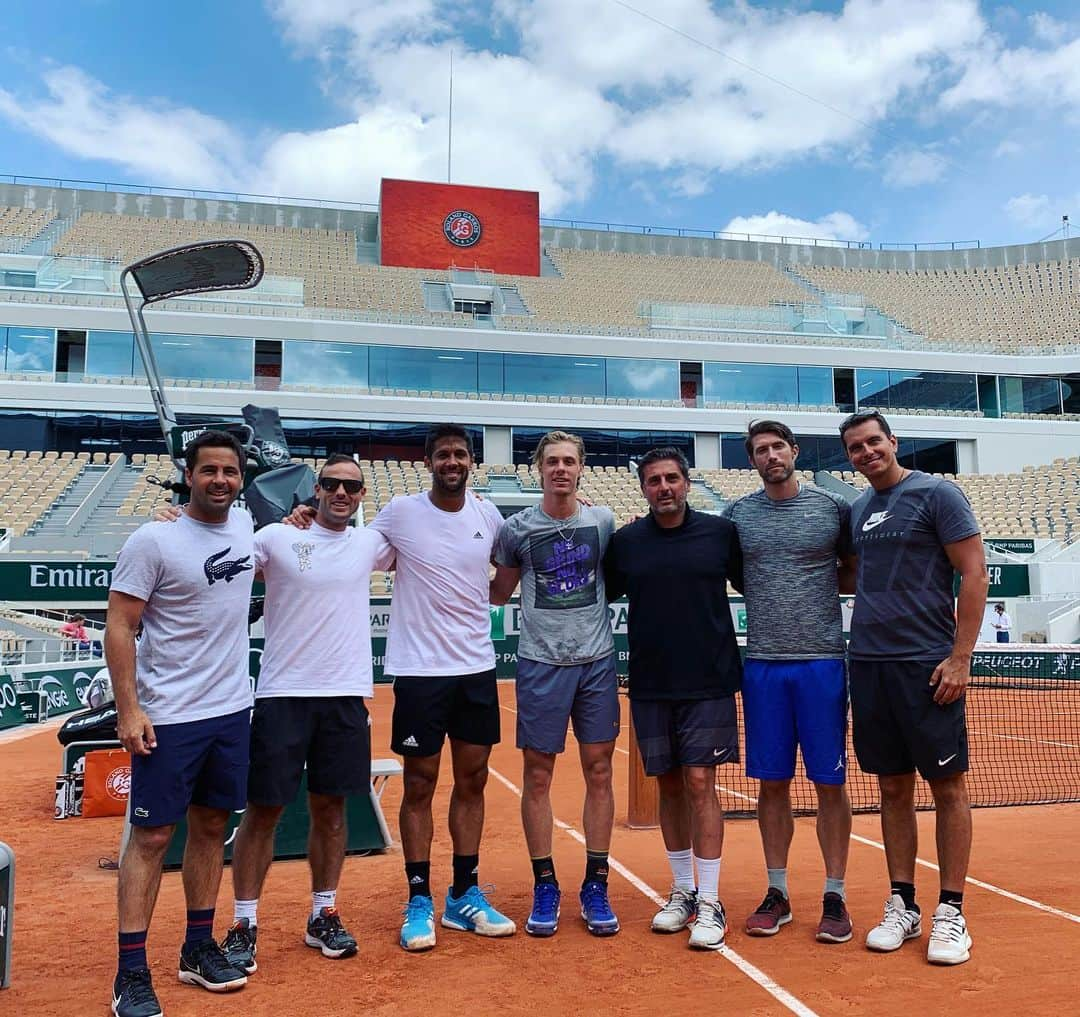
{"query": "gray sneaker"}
{"type": "Point", "coordinates": [678, 912]}
{"type": "Point", "coordinates": [239, 946]}
{"type": "Point", "coordinates": [710, 927]}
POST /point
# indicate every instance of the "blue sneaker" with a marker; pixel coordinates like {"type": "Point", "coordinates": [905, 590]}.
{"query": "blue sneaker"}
{"type": "Point", "coordinates": [471, 912]}
{"type": "Point", "coordinates": [418, 929]}
{"type": "Point", "coordinates": [600, 920]}
{"type": "Point", "coordinates": [544, 919]}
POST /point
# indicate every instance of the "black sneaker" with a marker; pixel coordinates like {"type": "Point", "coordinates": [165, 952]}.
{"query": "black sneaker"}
{"type": "Point", "coordinates": [133, 994]}
{"type": "Point", "coordinates": [204, 964]}
{"type": "Point", "coordinates": [326, 933]}
{"type": "Point", "coordinates": [239, 946]}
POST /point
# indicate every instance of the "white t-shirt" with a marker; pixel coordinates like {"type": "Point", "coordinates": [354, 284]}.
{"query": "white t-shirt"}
{"type": "Point", "coordinates": [196, 581]}
{"type": "Point", "coordinates": [317, 617]}
{"type": "Point", "coordinates": [1001, 622]}
{"type": "Point", "coordinates": [440, 623]}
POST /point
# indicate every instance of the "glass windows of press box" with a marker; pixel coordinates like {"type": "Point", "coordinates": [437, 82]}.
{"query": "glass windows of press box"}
{"type": "Point", "coordinates": [931, 390]}
{"type": "Point", "coordinates": [27, 350]}
{"type": "Point", "coordinates": [787, 385]}
{"type": "Point", "coordinates": [606, 448]}
{"type": "Point", "coordinates": [422, 370]}
{"type": "Point", "coordinates": [1070, 393]}
{"type": "Point", "coordinates": [642, 379]}
{"type": "Point", "coordinates": [1030, 395]}
{"type": "Point", "coordinates": [203, 358]}
{"type": "Point", "coordinates": [111, 354]}
{"type": "Point", "coordinates": [540, 375]}
{"type": "Point", "coordinates": [824, 452]}
{"type": "Point", "coordinates": [305, 362]}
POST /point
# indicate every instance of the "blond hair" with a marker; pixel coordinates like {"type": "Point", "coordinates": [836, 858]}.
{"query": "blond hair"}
{"type": "Point", "coordinates": [555, 438]}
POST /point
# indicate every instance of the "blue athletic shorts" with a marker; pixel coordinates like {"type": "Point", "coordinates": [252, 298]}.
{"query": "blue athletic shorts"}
{"type": "Point", "coordinates": [795, 702]}
{"type": "Point", "coordinates": [202, 762]}
{"type": "Point", "coordinates": [550, 695]}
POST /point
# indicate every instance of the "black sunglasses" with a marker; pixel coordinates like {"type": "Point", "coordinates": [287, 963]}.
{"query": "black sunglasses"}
{"type": "Point", "coordinates": [330, 485]}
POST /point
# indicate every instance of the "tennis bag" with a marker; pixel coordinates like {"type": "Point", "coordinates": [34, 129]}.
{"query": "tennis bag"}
{"type": "Point", "coordinates": [96, 725]}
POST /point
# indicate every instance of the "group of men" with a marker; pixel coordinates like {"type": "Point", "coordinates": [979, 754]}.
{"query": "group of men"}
{"type": "Point", "coordinates": [184, 702]}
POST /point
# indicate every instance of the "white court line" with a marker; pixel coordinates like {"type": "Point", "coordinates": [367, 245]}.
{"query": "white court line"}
{"type": "Point", "coordinates": [1037, 741]}
{"type": "Point", "coordinates": [1038, 905]}
{"type": "Point", "coordinates": [510, 709]}
{"type": "Point", "coordinates": [777, 991]}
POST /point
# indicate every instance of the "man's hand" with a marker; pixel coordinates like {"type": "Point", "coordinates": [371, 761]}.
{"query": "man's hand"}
{"type": "Point", "coordinates": [136, 733]}
{"type": "Point", "coordinates": [301, 517]}
{"type": "Point", "coordinates": [951, 677]}
{"type": "Point", "coordinates": [584, 499]}
{"type": "Point", "coordinates": [168, 514]}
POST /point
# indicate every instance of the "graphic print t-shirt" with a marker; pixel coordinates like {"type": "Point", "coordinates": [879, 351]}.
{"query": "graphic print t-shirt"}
{"type": "Point", "coordinates": [904, 585]}
{"type": "Point", "coordinates": [196, 581]}
{"type": "Point", "coordinates": [318, 609]}
{"type": "Point", "coordinates": [440, 623]}
{"type": "Point", "coordinates": [564, 613]}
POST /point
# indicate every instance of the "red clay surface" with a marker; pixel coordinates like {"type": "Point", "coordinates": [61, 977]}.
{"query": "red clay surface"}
{"type": "Point", "coordinates": [64, 934]}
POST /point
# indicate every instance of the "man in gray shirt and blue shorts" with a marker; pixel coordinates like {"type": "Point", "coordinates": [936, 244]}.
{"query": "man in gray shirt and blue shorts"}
{"type": "Point", "coordinates": [797, 558]}
{"type": "Point", "coordinates": [565, 670]}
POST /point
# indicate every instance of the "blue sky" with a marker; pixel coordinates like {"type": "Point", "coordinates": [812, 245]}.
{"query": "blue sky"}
{"type": "Point", "coordinates": [881, 120]}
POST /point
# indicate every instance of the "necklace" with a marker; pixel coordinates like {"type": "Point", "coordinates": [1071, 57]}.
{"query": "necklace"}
{"type": "Point", "coordinates": [568, 541]}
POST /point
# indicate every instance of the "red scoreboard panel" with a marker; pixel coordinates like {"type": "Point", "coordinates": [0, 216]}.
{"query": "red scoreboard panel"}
{"type": "Point", "coordinates": [424, 225]}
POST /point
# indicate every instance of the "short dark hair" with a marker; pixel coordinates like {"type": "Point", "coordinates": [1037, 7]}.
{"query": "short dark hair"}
{"type": "Point", "coordinates": [656, 455]}
{"type": "Point", "coordinates": [213, 439]}
{"type": "Point", "coordinates": [757, 427]}
{"type": "Point", "coordinates": [863, 417]}
{"type": "Point", "coordinates": [340, 457]}
{"type": "Point", "coordinates": [999, 604]}
{"type": "Point", "coordinates": [439, 431]}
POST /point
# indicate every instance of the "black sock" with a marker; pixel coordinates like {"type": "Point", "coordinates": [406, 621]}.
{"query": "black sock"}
{"type": "Point", "coordinates": [952, 897]}
{"type": "Point", "coordinates": [907, 891]}
{"type": "Point", "coordinates": [544, 870]}
{"type": "Point", "coordinates": [596, 867]}
{"type": "Point", "coordinates": [465, 867]}
{"type": "Point", "coordinates": [419, 876]}
{"type": "Point", "coordinates": [200, 925]}
{"type": "Point", "coordinates": [132, 950]}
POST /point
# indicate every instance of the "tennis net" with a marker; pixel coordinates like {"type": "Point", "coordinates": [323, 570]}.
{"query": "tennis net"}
{"type": "Point", "coordinates": [1023, 720]}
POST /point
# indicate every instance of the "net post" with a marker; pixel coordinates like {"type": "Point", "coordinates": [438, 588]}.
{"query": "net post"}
{"type": "Point", "coordinates": [643, 807]}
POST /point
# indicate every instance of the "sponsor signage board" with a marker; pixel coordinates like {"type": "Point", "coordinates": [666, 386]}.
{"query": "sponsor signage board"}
{"type": "Point", "coordinates": [1016, 545]}
{"type": "Point", "coordinates": [64, 685]}
{"type": "Point", "coordinates": [11, 713]}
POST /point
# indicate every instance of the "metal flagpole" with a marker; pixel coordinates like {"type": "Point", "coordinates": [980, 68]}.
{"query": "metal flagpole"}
{"type": "Point", "coordinates": [450, 120]}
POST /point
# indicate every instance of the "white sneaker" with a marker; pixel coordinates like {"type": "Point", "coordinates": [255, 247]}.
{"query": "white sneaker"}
{"type": "Point", "coordinates": [898, 925]}
{"type": "Point", "coordinates": [949, 939]}
{"type": "Point", "coordinates": [710, 926]}
{"type": "Point", "coordinates": [678, 912]}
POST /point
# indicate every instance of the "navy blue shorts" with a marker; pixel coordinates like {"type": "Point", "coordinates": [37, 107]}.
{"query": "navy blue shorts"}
{"type": "Point", "coordinates": [685, 732]}
{"type": "Point", "coordinates": [550, 695]}
{"type": "Point", "coordinates": [202, 762]}
{"type": "Point", "coordinates": [789, 703]}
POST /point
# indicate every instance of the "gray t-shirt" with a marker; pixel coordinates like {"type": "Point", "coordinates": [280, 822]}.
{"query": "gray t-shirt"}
{"type": "Point", "coordinates": [195, 578]}
{"type": "Point", "coordinates": [904, 582]}
{"type": "Point", "coordinates": [564, 612]}
{"type": "Point", "coordinates": [790, 550]}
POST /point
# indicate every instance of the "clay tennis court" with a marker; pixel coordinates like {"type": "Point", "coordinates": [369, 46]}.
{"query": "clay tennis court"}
{"type": "Point", "coordinates": [1024, 915]}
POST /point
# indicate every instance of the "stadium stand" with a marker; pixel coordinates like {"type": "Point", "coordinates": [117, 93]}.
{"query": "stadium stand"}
{"type": "Point", "coordinates": [1001, 307]}
{"type": "Point", "coordinates": [23, 223]}
{"type": "Point", "coordinates": [30, 482]}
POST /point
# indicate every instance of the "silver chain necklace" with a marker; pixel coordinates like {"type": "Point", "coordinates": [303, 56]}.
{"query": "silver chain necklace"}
{"type": "Point", "coordinates": [567, 541]}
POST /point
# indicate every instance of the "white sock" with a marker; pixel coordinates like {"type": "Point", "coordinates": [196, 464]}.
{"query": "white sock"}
{"type": "Point", "coordinates": [322, 899]}
{"type": "Point", "coordinates": [682, 868]}
{"type": "Point", "coordinates": [708, 878]}
{"type": "Point", "coordinates": [246, 909]}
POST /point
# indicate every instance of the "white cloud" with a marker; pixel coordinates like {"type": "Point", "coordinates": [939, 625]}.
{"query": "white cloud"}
{"type": "Point", "coordinates": [912, 167]}
{"type": "Point", "coordinates": [1046, 28]}
{"type": "Point", "coordinates": [155, 141]}
{"type": "Point", "coordinates": [834, 226]}
{"type": "Point", "coordinates": [1008, 148]}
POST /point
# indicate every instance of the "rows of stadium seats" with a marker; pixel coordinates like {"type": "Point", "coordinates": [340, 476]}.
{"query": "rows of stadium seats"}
{"type": "Point", "coordinates": [31, 481]}
{"type": "Point", "coordinates": [1040, 501]}
{"type": "Point", "coordinates": [23, 222]}
{"type": "Point", "coordinates": [1001, 307]}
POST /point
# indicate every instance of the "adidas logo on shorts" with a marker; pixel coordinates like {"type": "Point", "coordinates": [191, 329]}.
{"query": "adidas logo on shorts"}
{"type": "Point", "coordinates": [411, 743]}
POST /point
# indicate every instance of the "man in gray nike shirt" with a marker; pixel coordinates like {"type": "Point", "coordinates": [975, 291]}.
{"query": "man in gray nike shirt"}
{"type": "Point", "coordinates": [797, 558]}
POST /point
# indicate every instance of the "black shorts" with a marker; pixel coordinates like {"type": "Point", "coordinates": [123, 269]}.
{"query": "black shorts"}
{"type": "Point", "coordinates": [428, 708]}
{"type": "Point", "coordinates": [897, 726]}
{"type": "Point", "coordinates": [685, 732]}
{"type": "Point", "coordinates": [327, 733]}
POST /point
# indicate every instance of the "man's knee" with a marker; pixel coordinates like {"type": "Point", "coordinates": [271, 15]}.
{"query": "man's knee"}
{"type": "Point", "coordinates": [206, 823]}
{"type": "Point", "coordinates": [775, 791]}
{"type": "Point", "coordinates": [537, 774]}
{"type": "Point", "coordinates": [950, 792]}
{"type": "Point", "coordinates": [897, 789]}
{"type": "Point", "coordinates": [327, 814]}
{"type": "Point", "coordinates": [261, 820]}
{"type": "Point", "coordinates": [596, 768]}
{"type": "Point", "coordinates": [700, 783]}
{"type": "Point", "coordinates": [151, 840]}
{"type": "Point", "coordinates": [418, 786]}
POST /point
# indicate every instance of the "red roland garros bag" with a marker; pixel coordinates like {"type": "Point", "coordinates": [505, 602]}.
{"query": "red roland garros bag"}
{"type": "Point", "coordinates": [107, 782]}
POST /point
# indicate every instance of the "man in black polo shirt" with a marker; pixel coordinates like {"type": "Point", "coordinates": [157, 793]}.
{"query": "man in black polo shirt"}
{"type": "Point", "coordinates": [674, 566]}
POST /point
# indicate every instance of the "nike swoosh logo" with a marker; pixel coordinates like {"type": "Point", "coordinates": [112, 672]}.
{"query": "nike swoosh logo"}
{"type": "Point", "coordinates": [719, 753]}
{"type": "Point", "coordinates": [876, 520]}
{"type": "Point", "coordinates": [944, 762]}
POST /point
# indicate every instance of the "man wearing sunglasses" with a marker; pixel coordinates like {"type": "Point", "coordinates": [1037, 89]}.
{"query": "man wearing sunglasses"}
{"type": "Point", "coordinates": [309, 704]}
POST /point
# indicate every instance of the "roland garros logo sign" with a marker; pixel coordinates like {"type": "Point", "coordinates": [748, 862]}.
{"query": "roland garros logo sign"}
{"type": "Point", "coordinates": [461, 228]}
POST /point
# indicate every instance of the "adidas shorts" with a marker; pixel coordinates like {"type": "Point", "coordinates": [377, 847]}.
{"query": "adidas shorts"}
{"type": "Point", "coordinates": [428, 708]}
{"type": "Point", "coordinates": [328, 735]}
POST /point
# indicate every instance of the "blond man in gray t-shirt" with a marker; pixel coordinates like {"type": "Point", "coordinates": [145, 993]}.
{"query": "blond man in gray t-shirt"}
{"type": "Point", "coordinates": [565, 670]}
